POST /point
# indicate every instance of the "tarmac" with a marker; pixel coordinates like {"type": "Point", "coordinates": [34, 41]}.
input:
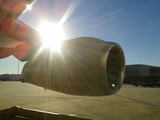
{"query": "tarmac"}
{"type": "Point", "coordinates": [130, 103]}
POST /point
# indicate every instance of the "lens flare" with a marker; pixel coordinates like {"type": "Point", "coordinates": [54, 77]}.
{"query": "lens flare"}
{"type": "Point", "coordinates": [52, 35]}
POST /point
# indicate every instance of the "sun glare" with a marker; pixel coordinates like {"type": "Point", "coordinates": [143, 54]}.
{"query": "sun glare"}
{"type": "Point", "coordinates": [29, 7]}
{"type": "Point", "coordinates": [52, 35]}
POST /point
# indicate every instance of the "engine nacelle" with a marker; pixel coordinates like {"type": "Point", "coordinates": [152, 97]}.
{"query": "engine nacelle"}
{"type": "Point", "coordinates": [83, 66]}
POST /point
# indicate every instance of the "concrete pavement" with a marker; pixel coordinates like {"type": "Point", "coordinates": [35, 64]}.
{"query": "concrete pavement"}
{"type": "Point", "coordinates": [129, 103]}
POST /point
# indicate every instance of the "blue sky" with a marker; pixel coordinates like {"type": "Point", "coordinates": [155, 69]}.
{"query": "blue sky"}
{"type": "Point", "coordinates": [133, 24]}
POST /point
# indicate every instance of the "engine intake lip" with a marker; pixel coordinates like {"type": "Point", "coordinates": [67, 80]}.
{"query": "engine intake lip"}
{"type": "Point", "coordinates": [115, 65]}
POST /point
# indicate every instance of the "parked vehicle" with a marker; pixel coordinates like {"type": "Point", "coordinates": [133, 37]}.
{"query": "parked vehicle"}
{"type": "Point", "coordinates": [149, 83]}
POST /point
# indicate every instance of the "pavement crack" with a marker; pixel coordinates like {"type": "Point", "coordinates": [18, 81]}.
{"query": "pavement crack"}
{"type": "Point", "coordinates": [146, 103]}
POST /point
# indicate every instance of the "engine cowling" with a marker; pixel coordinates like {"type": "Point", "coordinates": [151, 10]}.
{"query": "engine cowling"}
{"type": "Point", "coordinates": [83, 66]}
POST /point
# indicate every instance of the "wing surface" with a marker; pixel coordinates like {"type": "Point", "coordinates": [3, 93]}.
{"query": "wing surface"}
{"type": "Point", "coordinates": [16, 38]}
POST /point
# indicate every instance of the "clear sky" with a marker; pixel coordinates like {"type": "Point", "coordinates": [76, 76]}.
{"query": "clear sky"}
{"type": "Point", "coordinates": [133, 24]}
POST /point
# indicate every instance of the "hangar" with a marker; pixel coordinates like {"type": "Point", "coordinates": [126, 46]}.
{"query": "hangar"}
{"type": "Point", "coordinates": [141, 72]}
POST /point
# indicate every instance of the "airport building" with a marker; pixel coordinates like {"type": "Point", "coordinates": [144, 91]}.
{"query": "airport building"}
{"type": "Point", "coordinates": [10, 77]}
{"type": "Point", "coordinates": [140, 72]}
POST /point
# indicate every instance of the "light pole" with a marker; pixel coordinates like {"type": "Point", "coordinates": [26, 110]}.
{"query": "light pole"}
{"type": "Point", "coordinates": [18, 66]}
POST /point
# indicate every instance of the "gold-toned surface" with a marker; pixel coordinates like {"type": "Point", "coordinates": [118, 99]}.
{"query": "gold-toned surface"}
{"type": "Point", "coordinates": [140, 103]}
{"type": "Point", "coordinates": [84, 66]}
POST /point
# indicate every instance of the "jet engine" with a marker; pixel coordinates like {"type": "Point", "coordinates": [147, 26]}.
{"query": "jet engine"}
{"type": "Point", "coordinates": [83, 66]}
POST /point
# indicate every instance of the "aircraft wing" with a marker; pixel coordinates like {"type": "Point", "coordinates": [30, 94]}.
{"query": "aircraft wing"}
{"type": "Point", "coordinates": [16, 38]}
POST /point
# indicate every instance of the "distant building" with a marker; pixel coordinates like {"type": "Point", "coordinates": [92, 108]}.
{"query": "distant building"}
{"type": "Point", "coordinates": [1, 77]}
{"type": "Point", "coordinates": [15, 77]}
{"type": "Point", "coordinates": [10, 77]}
{"type": "Point", "coordinates": [140, 72]}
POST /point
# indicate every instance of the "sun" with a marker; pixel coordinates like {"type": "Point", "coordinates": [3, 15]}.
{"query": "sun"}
{"type": "Point", "coordinates": [52, 35]}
